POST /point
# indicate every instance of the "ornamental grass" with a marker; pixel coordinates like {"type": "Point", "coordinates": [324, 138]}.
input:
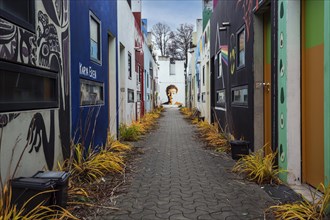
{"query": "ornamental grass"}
{"type": "Point", "coordinates": [258, 167]}
{"type": "Point", "coordinates": [314, 210]}
{"type": "Point", "coordinates": [134, 131]}
{"type": "Point", "coordinates": [213, 137]}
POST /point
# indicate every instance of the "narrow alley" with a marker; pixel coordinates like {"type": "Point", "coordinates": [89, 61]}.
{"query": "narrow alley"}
{"type": "Point", "coordinates": [178, 178]}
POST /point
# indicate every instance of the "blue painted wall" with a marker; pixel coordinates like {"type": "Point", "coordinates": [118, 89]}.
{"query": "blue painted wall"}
{"type": "Point", "coordinates": [106, 12]}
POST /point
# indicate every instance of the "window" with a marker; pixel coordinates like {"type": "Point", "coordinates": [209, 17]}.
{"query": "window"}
{"type": "Point", "coordinates": [95, 37]}
{"type": "Point", "coordinates": [203, 96]}
{"type": "Point", "coordinates": [20, 12]}
{"type": "Point", "coordinates": [203, 75]}
{"type": "Point", "coordinates": [239, 95]}
{"type": "Point", "coordinates": [221, 97]}
{"type": "Point", "coordinates": [130, 95]}
{"type": "Point", "coordinates": [241, 48]}
{"type": "Point", "coordinates": [147, 80]}
{"type": "Point", "coordinates": [138, 77]}
{"type": "Point", "coordinates": [129, 65]}
{"type": "Point", "coordinates": [172, 67]}
{"type": "Point", "coordinates": [138, 96]}
{"type": "Point", "coordinates": [91, 93]}
{"type": "Point", "coordinates": [219, 65]}
{"type": "Point", "coordinates": [26, 88]}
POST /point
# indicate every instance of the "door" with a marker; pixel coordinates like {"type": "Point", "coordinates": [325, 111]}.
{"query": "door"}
{"type": "Point", "coordinates": [267, 82]}
{"type": "Point", "coordinates": [312, 92]}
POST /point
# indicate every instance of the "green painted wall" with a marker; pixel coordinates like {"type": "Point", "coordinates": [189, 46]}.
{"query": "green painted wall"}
{"type": "Point", "coordinates": [269, 40]}
{"type": "Point", "coordinates": [314, 13]}
{"type": "Point", "coordinates": [207, 13]}
{"type": "Point", "coordinates": [327, 92]}
{"type": "Point", "coordinates": [282, 87]}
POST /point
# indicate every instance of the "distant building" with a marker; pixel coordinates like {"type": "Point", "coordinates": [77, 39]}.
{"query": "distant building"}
{"type": "Point", "coordinates": [171, 81]}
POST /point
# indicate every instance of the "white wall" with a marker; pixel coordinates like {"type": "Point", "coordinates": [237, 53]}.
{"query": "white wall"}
{"type": "Point", "coordinates": [293, 93]}
{"type": "Point", "coordinates": [126, 28]}
{"type": "Point", "coordinates": [204, 107]}
{"type": "Point", "coordinates": [165, 79]}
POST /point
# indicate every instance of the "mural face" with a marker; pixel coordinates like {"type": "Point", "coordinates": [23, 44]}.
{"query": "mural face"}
{"type": "Point", "coordinates": [171, 92]}
{"type": "Point", "coordinates": [47, 132]}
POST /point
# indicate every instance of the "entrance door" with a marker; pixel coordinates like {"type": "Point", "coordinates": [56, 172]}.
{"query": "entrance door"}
{"type": "Point", "coordinates": [267, 82]}
{"type": "Point", "coordinates": [312, 92]}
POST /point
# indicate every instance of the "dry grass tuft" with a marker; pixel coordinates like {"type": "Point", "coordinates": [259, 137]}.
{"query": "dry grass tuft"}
{"type": "Point", "coordinates": [9, 211]}
{"type": "Point", "coordinates": [315, 210]}
{"type": "Point", "coordinates": [259, 168]}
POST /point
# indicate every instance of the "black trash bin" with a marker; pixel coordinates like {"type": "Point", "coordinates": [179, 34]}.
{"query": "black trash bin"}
{"type": "Point", "coordinates": [61, 180]}
{"type": "Point", "coordinates": [39, 191]}
{"type": "Point", "coordinates": [239, 148]}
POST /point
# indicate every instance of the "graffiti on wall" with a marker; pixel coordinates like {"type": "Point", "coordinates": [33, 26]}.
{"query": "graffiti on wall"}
{"type": "Point", "coordinates": [232, 54]}
{"type": "Point", "coordinates": [48, 48]}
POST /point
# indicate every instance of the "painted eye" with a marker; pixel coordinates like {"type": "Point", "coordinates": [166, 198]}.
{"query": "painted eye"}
{"type": "Point", "coordinates": [281, 40]}
{"type": "Point", "coordinates": [282, 120]}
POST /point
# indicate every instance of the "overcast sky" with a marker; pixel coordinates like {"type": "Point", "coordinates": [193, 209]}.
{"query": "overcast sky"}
{"type": "Point", "coordinates": [172, 12]}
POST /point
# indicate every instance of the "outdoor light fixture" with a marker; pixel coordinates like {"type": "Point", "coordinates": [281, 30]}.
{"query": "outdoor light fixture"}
{"type": "Point", "coordinates": [225, 24]}
{"type": "Point", "coordinates": [222, 28]}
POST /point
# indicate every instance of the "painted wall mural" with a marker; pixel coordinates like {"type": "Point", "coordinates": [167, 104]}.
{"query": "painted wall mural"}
{"type": "Point", "coordinates": [282, 80]}
{"type": "Point", "coordinates": [248, 7]}
{"type": "Point", "coordinates": [47, 48]}
{"type": "Point", "coordinates": [171, 92]}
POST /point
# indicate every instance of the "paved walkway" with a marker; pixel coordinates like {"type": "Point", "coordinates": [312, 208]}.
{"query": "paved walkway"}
{"type": "Point", "coordinates": [177, 178]}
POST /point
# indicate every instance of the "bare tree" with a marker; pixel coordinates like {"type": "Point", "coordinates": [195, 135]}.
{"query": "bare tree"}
{"type": "Point", "coordinates": [162, 34]}
{"type": "Point", "coordinates": [183, 37]}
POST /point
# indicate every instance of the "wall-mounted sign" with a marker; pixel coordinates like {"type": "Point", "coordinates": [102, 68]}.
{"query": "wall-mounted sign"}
{"type": "Point", "coordinates": [87, 71]}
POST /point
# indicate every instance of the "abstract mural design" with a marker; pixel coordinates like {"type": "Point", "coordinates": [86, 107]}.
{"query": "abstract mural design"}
{"type": "Point", "coordinates": [48, 48]}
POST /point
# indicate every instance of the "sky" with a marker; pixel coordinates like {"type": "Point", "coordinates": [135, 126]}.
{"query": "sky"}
{"type": "Point", "coordinates": [171, 12]}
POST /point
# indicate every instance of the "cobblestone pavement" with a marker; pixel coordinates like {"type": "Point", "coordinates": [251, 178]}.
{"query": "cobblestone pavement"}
{"type": "Point", "coordinates": [177, 178]}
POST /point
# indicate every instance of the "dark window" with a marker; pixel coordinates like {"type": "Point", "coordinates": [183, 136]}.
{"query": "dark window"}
{"type": "Point", "coordinates": [203, 75]}
{"type": "Point", "coordinates": [26, 88]}
{"type": "Point", "coordinates": [20, 12]}
{"type": "Point", "coordinates": [139, 74]}
{"type": "Point", "coordinates": [129, 65]}
{"type": "Point", "coordinates": [241, 48]}
{"type": "Point", "coordinates": [91, 93]}
{"type": "Point", "coordinates": [203, 96]}
{"type": "Point", "coordinates": [130, 94]}
{"type": "Point", "coordinates": [148, 80]}
{"type": "Point", "coordinates": [95, 38]}
{"type": "Point", "coordinates": [138, 96]}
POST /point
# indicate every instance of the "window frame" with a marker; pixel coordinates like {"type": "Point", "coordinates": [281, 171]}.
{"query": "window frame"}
{"type": "Point", "coordinates": [240, 31]}
{"type": "Point", "coordinates": [34, 71]}
{"type": "Point", "coordinates": [128, 96]}
{"type": "Point", "coordinates": [89, 103]}
{"type": "Point", "coordinates": [220, 71]}
{"type": "Point", "coordinates": [217, 97]}
{"type": "Point", "coordinates": [29, 25]}
{"type": "Point", "coordinates": [203, 76]}
{"type": "Point", "coordinates": [239, 104]}
{"type": "Point", "coordinates": [98, 21]}
{"type": "Point", "coordinates": [203, 97]}
{"type": "Point", "coordinates": [129, 64]}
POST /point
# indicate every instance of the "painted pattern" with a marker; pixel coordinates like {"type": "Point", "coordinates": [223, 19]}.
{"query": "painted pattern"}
{"type": "Point", "coordinates": [47, 48]}
{"type": "Point", "coordinates": [282, 87]}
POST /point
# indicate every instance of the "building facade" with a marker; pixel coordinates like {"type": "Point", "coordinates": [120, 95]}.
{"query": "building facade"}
{"type": "Point", "coordinates": [35, 85]}
{"type": "Point", "coordinates": [93, 71]}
